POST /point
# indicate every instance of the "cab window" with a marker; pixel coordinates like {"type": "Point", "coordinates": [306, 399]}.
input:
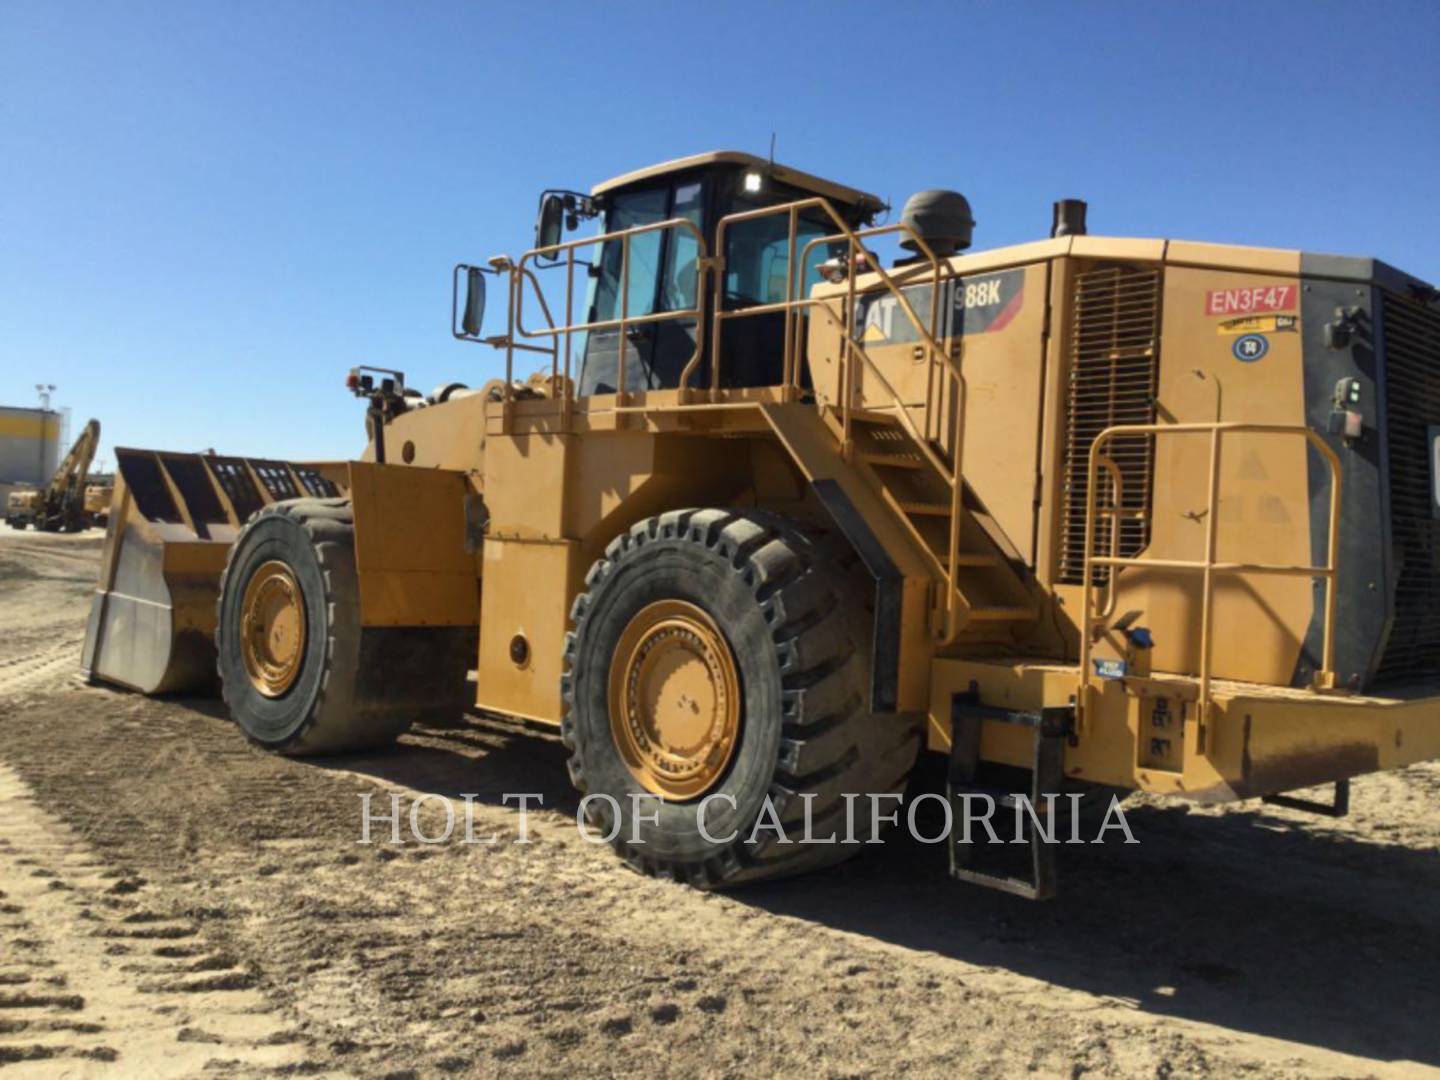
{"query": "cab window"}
{"type": "Point", "coordinates": [680, 271]}
{"type": "Point", "coordinates": [757, 257]}
{"type": "Point", "coordinates": [629, 211]}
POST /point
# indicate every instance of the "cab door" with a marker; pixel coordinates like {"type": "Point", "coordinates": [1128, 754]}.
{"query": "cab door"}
{"type": "Point", "coordinates": [662, 277]}
{"type": "Point", "coordinates": [600, 372]}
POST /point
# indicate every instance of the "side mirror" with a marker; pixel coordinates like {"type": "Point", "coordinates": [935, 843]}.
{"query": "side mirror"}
{"type": "Point", "coordinates": [474, 302]}
{"type": "Point", "coordinates": [551, 223]}
{"type": "Point", "coordinates": [472, 316]}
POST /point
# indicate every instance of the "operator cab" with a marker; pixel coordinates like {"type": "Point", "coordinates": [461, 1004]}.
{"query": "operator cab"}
{"type": "Point", "coordinates": [704, 188]}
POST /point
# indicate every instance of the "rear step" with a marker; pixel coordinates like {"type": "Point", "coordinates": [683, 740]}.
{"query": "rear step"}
{"type": "Point", "coordinates": [1051, 727]}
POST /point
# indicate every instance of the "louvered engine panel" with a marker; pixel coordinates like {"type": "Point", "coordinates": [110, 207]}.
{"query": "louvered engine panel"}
{"type": "Point", "coordinates": [1411, 335]}
{"type": "Point", "coordinates": [1114, 373]}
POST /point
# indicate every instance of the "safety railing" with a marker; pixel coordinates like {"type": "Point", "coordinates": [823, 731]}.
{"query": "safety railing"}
{"type": "Point", "coordinates": [562, 337]}
{"type": "Point", "coordinates": [1093, 618]}
{"type": "Point", "coordinates": [853, 357]}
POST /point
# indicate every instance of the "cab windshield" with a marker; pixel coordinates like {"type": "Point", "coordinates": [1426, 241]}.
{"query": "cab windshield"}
{"type": "Point", "coordinates": [662, 278]}
{"type": "Point", "coordinates": [662, 263]}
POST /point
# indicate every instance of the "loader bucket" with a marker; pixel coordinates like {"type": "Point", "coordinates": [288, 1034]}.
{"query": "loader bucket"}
{"type": "Point", "coordinates": [172, 520]}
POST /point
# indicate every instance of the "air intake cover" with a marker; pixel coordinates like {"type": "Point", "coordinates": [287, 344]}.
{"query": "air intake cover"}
{"type": "Point", "coordinates": [941, 218]}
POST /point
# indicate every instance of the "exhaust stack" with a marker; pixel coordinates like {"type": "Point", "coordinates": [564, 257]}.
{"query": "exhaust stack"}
{"type": "Point", "coordinates": [1069, 218]}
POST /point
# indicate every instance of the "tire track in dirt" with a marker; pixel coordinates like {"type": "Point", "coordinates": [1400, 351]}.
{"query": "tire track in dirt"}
{"type": "Point", "coordinates": [1237, 943]}
{"type": "Point", "coordinates": [82, 553]}
{"type": "Point", "coordinates": [93, 978]}
{"type": "Point", "coordinates": [40, 669]}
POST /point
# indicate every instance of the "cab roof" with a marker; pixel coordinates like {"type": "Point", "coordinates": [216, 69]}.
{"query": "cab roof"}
{"type": "Point", "coordinates": [794, 177]}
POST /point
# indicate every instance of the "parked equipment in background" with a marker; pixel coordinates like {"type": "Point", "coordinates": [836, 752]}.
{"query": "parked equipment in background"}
{"type": "Point", "coordinates": [773, 518]}
{"type": "Point", "coordinates": [97, 503]}
{"type": "Point", "coordinates": [59, 506]}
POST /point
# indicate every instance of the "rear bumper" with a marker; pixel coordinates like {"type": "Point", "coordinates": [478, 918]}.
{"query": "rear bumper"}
{"type": "Point", "coordinates": [1263, 744]}
{"type": "Point", "coordinates": [1258, 740]}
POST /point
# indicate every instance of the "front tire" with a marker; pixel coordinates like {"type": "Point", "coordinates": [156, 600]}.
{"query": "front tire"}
{"type": "Point", "coordinates": [674, 605]}
{"type": "Point", "coordinates": [298, 671]}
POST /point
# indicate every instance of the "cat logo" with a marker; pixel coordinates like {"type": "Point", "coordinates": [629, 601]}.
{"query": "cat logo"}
{"type": "Point", "coordinates": [980, 305]}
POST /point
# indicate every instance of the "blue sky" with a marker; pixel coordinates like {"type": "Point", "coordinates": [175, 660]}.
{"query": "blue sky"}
{"type": "Point", "coordinates": [210, 211]}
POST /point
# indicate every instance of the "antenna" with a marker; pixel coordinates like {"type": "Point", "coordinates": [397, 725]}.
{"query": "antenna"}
{"type": "Point", "coordinates": [772, 151]}
{"type": "Point", "coordinates": [44, 390]}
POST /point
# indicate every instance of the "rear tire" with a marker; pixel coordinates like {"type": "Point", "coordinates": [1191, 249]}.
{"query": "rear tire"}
{"type": "Point", "coordinates": [791, 605]}
{"type": "Point", "coordinates": [353, 687]}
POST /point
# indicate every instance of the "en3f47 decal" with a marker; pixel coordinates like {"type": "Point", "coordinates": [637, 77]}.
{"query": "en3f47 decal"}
{"type": "Point", "coordinates": [1252, 300]}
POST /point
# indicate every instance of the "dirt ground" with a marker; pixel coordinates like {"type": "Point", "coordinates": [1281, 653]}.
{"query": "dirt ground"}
{"type": "Point", "coordinates": [173, 901]}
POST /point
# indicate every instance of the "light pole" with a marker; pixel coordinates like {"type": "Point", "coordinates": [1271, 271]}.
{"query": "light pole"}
{"type": "Point", "coordinates": [44, 390]}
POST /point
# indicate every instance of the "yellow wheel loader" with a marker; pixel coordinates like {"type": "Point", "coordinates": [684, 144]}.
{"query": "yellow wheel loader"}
{"type": "Point", "coordinates": [61, 505]}
{"type": "Point", "coordinates": [1084, 514]}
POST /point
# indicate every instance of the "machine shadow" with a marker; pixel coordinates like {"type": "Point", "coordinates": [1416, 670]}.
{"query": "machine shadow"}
{"type": "Point", "coordinates": [1247, 921]}
{"type": "Point", "coordinates": [487, 758]}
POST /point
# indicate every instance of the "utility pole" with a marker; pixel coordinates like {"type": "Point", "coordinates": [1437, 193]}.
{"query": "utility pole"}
{"type": "Point", "coordinates": [44, 390]}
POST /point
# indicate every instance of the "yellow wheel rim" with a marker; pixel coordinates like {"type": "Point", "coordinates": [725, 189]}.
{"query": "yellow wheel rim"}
{"type": "Point", "coordinates": [272, 628]}
{"type": "Point", "coordinates": [674, 700]}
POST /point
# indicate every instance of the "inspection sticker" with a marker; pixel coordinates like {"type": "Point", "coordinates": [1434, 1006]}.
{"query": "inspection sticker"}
{"type": "Point", "coordinates": [1259, 324]}
{"type": "Point", "coordinates": [1250, 348]}
{"type": "Point", "coordinates": [1251, 300]}
{"type": "Point", "coordinates": [1111, 669]}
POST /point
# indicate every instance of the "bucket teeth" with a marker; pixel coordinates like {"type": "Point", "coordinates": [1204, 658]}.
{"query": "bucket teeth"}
{"type": "Point", "coordinates": [173, 517]}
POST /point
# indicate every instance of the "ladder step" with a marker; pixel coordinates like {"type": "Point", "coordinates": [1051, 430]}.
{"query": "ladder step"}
{"type": "Point", "coordinates": [1004, 800]}
{"type": "Point", "coordinates": [1000, 614]}
{"type": "Point", "coordinates": [873, 417]}
{"type": "Point", "coordinates": [969, 559]}
{"type": "Point", "coordinates": [928, 509]}
{"type": "Point", "coordinates": [892, 461]}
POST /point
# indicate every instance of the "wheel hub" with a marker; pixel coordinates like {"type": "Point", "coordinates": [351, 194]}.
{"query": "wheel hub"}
{"type": "Point", "coordinates": [272, 628]}
{"type": "Point", "coordinates": [674, 700]}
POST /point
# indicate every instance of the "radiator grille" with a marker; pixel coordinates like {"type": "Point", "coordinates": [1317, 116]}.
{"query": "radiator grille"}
{"type": "Point", "coordinates": [1412, 389]}
{"type": "Point", "coordinates": [1113, 379]}
{"type": "Point", "coordinates": [1114, 372]}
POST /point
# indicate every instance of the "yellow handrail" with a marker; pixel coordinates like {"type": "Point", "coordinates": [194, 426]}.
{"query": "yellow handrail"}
{"type": "Point", "coordinates": [853, 355]}
{"type": "Point", "coordinates": [1092, 620]}
{"type": "Point", "coordinates": [521, 270]}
